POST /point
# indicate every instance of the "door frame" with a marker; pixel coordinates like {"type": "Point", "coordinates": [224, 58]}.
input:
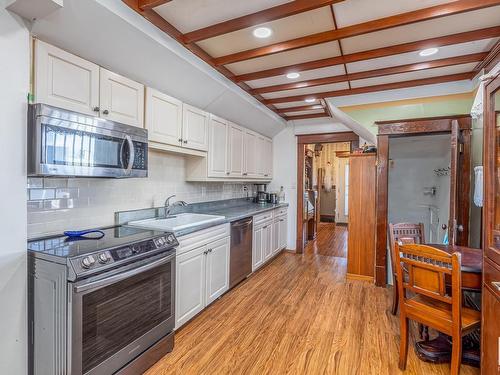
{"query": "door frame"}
{"type": "Point", "coordinates": [409, 127]}
{"type": "Point", "coordinates": [302, 141]}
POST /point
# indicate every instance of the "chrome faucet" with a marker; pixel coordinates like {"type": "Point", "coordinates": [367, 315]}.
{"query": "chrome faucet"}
{"type": "Point", "coordinates": [168, 207]}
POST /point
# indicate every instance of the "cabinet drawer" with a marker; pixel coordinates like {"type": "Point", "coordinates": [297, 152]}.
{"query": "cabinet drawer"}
{"type": "Point", "coordinates": [262, 218]}
{"type": "Point", "coordinates": [202, 237]}
{"type": "Point", "coordinates": [492, 277]}
{"type": "Point", "coordinates": [280, 211]}
{"type": "Point", "coordinates": [493, 254]}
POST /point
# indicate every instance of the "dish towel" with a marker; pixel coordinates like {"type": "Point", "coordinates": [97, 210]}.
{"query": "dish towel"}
{"type": "Point", "coordinates": [478, 186]}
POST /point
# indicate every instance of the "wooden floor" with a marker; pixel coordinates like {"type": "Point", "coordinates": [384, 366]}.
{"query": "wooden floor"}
{"type": "Point", "coordinates": [297, 315]}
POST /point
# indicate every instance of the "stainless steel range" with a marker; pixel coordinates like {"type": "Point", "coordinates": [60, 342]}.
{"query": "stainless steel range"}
{"type": "Point", "coordinates": [101, 305]}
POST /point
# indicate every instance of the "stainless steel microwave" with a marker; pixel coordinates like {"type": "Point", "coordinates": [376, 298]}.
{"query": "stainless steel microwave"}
{"type": "Point", "coordinates": [65, 143]}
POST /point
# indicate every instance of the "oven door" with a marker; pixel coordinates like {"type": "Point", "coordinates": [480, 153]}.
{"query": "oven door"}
{"type": "Point", "coordinates": [116, 318]}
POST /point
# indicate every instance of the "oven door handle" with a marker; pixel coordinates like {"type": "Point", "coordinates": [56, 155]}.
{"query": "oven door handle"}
{"type": "Point", "coordinates": [122, 276]}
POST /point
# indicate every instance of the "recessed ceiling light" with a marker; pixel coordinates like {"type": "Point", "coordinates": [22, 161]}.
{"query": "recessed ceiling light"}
{"type": "Point", "coordinates": [429, 51]}
{"type": "Point", "coordinates": [310, 100]}
{"type": "Point", "coordinates": [262, 32]}
{"type": "Point", "coordinates": [292, 75]}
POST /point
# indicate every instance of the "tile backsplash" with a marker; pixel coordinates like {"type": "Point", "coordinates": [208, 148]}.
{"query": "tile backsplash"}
{"type": "Point", "coordinates": [58, 204]}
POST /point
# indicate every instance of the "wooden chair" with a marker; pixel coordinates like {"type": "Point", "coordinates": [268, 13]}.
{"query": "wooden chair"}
{"type": "Point", "coordinates": [432, 305]}
{"type": "Point", "coordinates": [404, 233]}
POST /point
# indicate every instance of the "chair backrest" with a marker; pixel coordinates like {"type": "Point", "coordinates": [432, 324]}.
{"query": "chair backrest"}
{"type": "Point", "coordinates": [426, 271]}
{"type": "Point", "coordinates": [405, 233]}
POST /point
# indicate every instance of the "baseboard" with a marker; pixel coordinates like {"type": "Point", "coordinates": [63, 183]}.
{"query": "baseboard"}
{"type": "Point", "coordinates": [353, 276]}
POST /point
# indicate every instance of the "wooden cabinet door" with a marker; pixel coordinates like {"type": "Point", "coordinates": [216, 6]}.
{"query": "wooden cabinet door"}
{"type": "Point", "coordinates": [490, 307]}
{"type": "Point", "coordinates": [163, 118]}
{"type": "Point", "coordinates": [257, 248]}
{"type": "Point", "coordinates": [267, 239]}
{"type": "Point", "coordinates": [218, 147]}
{"type": "Point", "coordinates": [194, 128]}
{"type": "Point", "coordinates": [190, 285]}
{"type": "Point", "coordinates": [65, 80]}
{"type": "Point", "coordinates": [121, 99]}
{"type": "Point", "coordinates": [283, 232]}
{"type": "Point", "coordinates": [236, 150]}
{"type": "Point", "coordinates": [276, 235]}
{"type": "Point", "coordinates": [217, 269]}
{"type": "Point", "coordinates": [250, 155]}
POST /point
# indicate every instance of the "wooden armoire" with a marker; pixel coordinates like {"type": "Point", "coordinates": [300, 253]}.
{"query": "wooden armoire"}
{"type": "Point", "coordinates": [361, 217]}
{"type": "Point", "coordinates": [490, 330]}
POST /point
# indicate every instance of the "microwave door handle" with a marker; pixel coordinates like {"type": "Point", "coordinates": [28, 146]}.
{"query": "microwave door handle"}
{"type": "Point", "coordinates": [131, 154]}
{"type": "Point", "coordinates": [122, 276]}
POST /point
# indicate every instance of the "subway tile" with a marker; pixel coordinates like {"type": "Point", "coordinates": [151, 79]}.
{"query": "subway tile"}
{"type": "Point", "coordinates": [55, 182]}
{"type": "Point", "coordinates": [67, 193]}
{"type": "Point", "coordinates": [35, 182]}
{"type": "Point", "coordinates": [38, 194]}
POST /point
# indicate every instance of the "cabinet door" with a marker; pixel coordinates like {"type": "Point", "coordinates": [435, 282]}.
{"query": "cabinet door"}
{"type": "Point", "coordinates": [276, 236]}
{"type": "Point", "coordinates": [283, 232]}
{"type": "Point", "coordinates": [65, 80]}
{"type": "Point", "coordinates": [257, 248]}
{"type": "Point", "coordinates": [121, 99]}
{"type": "Point", "coordinates": [217, 269]}
{"type": "Point", "coordinates": [218, 147]}
{"type": "Point", "coordinates": [163, 118]}
{"type": "Point", "coordinates": [268, 156]}
{"type": "Point", "coordinates": [268, 241]}
{"type": "Point", "coordinates": [250, 155]}
{"type": "Point", "coordinates": [236, 150]}
{"type": "Point", "coordinates": [194, 128]}
{"type": "Point", "coordinates": [190, 285]}
{"type": "Point", "coordinates": [261, 156]}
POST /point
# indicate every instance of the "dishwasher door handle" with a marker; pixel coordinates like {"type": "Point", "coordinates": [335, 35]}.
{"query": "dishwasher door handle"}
{"type": "Point", "coordinates": [240, 224]}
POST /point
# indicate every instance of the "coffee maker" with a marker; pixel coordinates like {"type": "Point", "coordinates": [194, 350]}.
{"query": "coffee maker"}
{"type": "Point", "coordinates": [261, 196]}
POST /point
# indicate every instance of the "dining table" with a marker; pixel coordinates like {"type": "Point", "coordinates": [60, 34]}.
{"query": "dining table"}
{"type": "Point", "coordinates": [438, 350]}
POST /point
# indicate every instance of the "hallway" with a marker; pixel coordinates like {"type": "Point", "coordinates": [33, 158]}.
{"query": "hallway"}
{"type": "Point", "coordinates": [297, 315]}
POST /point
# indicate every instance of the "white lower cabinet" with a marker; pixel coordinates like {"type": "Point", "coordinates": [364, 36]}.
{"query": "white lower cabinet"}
{"type": "Point", "coordinates": [257, 248]}
{"type": "Point", "coordinates": [276, 236]}
{"type": "Point", "coordinates": [269, 236]}
{"type": "Point", "coordinates": [283, 232]}
{"type": "Point", "coordinates": [267, 240]}
{"type": "Point", "coordinates": [202, 276]}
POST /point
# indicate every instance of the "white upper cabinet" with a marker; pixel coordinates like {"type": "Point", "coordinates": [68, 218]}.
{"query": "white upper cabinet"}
{"type": "Point", "coordinates": [194, 128]}
{"type": "Point", "coordinates": [268, 164]}
{"type": "Point", "coordinates": [250, 150]}
{"type": "Point", "coordinates": [236, 150]}
{"type": "Point", "coordinates": [218, 148]}
{"type": "Point", "coordinates": [65, 80]}
{"type": "Point", "coordinates": [163, 118]}
{"type": "Point", "coordinates": [121, 99]}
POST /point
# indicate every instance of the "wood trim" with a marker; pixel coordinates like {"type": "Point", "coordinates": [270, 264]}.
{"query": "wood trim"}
{"type": "Point", "coordinates": [150, 4]}
{"type": "Point", "coordinates": [327, 138]}
{"type": "Point", "coordinates": [464, 184]}
{"type": "Point", "coordinates": [417, 126]}
{"type": "Point", "coordinates": [373, 88]}
{"type": "Point", "coordinates": [257, 18]}
{"type": "Point", "coordinates": [300, 108]}
{"type": "Point", "coordinates": [492, 58]}
{"type": "Point", "coordinates": [306, 116]}
{"type": "Point", "coordinates": [401, 121]}
{"type": "Point", "coordinates": [468, 36]}
{"type": "Point", "coordinates": [352, 276]}
{"type": "Point", "coordinates": [426, 14]}
{"type": "Point", "coordinates": [457, 60]}
{"type": "Point", "coordinates": [382, 193]}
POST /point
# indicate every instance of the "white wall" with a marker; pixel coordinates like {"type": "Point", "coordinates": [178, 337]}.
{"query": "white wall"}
{"type": "Point", "coordinates": [14, 86]}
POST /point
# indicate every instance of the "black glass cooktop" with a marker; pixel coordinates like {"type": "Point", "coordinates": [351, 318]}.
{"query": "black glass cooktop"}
{"type": "Point", "coordinates": [66, 247]}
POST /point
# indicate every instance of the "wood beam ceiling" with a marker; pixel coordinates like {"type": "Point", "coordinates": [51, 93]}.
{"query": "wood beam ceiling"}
{"type": "Point", "coordinates": [375, 73]}
{"type": "Point", "coordinates": [150, 4]}
{"type": "Point", "coordinates": [300, 108]}
{"type": "Point", "coordinates": [448, 9]}
{"type": "Point", "coordinates": [468, 36]}
{"type": "Point", "coordinates": [303, 117]}
{"type": "Point", "coordinates": [492, 55]}
{"type": "Point", "coordinates": [367, 89]}
{"type": "Point", "coordinates": [266, 15]}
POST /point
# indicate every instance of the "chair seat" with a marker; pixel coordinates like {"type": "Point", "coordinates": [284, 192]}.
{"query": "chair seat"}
{"type": "Point", "coordinates": [437, 314]}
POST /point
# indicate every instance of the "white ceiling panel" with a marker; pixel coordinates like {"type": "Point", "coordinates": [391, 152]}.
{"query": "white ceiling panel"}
{"type": "Point", "coordinates": [307, 90]}
{"type": "Point", "coordinates": [424, 30]}
{"type": "Point", "coordinates": [284, 29]}
{"type": "Point", "coordinates": [313, 112]}
{"type": "Point", "coordinates": [352, 12]}
{"type": "Point", "coordinates": [414, 75]}
{"type": "Point", "coordinates": [320, 51]}
{"type": "Point", "coordinates": [306, 75]}
{"type": "Point", "coordinates": [189, 15]}
{"type": "Point", "coordinates": [414, 57]}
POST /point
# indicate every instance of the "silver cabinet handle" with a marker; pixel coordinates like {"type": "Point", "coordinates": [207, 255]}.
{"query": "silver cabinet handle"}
{"type": "Point", "coordinates": [228, 173]}
{"type": "Point", "coordinates": [496, 285]}
{"type": "Point", "coordinates": [180, 139]}
{"type": "Point", "coordinates": [96, 109]}
{"type": "Point", "coordinates": [105, 112]}
{"type": "Point", "coordinates": [205, 252]}
{"type": "Point", "coordinates": [185, 141]}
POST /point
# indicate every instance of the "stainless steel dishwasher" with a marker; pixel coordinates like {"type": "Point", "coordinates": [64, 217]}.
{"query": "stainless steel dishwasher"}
{"type": "Point", "coordinates": [241, 251]}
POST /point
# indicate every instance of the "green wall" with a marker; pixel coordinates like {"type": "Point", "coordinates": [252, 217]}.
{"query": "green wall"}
{"type": "Point", "coordinates": [426, 108]}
